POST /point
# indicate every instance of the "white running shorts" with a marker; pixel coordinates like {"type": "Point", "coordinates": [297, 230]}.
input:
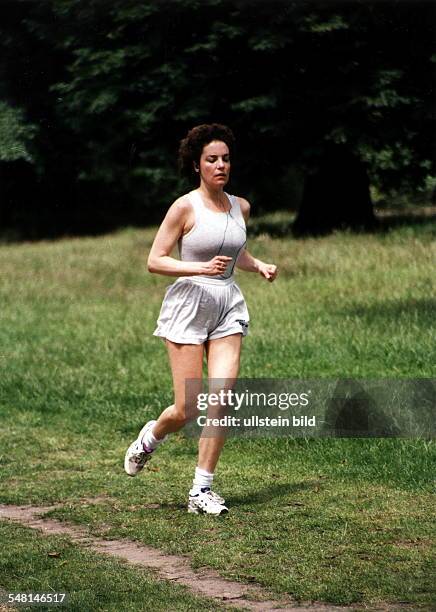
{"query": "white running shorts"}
{"type": "Point", "coordinates": [195, 310]}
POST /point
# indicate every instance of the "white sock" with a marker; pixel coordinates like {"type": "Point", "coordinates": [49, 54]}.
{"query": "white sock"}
{"type": "Point", "coordinates": [201, 480]}
{"type": "Point", "coordinates": [150, 441]}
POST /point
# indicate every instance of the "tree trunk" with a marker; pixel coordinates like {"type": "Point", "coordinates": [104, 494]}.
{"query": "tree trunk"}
{"type": "Point", "coordinates": [337, 196]}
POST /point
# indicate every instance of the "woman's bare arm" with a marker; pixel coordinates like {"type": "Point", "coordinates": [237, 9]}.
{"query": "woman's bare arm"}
{"type": "Point", "coordinates": [170, 230]}
{"type": "Point", "coordinates": [246, 261]}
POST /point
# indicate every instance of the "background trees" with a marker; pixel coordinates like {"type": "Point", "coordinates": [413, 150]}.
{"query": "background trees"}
{"type": "Point", "coordinates": [96, 96]}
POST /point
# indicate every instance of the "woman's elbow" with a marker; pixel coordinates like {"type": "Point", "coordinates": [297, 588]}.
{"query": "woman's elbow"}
{"type": "Point", "coordinates": [151, 265]}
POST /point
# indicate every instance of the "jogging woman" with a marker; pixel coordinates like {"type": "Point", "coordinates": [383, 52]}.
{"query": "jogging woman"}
{"type": "Point", "coordinates": [204, 310]}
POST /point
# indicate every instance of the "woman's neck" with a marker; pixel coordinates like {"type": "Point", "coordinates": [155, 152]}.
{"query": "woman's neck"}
{"type": "Point", "coordinates": [215, 195]}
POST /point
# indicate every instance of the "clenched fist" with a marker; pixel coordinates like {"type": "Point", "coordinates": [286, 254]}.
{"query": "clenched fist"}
{"type": "Point", "coordinates": [216, 266]}
{"type": "Point", "coordinates": [268, 271]}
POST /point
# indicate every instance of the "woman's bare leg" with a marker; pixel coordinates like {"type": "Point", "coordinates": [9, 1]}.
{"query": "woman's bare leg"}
{"type": "Point", "coordinates": [186, 362]}
{"type": "Point", "coordinates": [223, 357]}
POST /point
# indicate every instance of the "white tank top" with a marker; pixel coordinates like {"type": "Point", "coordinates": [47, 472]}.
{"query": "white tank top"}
{"type": "Point", "coordinates": [214, 233]}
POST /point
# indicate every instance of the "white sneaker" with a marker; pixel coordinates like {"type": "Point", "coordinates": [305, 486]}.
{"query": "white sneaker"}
{"type": "Point", "coordinates": [136, 457]}
{"type": "Point", "coordinates": [206, 502]}
{"type": "Point", "coordinates": [218, 498]}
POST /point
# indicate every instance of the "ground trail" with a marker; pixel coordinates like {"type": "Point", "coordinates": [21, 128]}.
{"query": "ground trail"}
{"type": "Point", "coordinates": [204, 581]}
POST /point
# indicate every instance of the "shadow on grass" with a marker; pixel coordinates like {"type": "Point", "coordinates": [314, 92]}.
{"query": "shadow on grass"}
{"type": "Point", "coordinates": [418, 215]}
{"type": "Point", "coordinates": [282, 227]}
{"type": "Point", "coordinates": [421, 308]}
{"type": "Point", "coordinates": [260, 496]}
{"type": "Point", "coordinates": [276, 228]}
{"type": "Point", "coordinates": [266, 494]}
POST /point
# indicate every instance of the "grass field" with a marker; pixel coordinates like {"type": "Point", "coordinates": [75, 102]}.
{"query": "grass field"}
{"type": "Point", "coordinates": [339, 520]}
{"type": "Point", "coordinates": [31, 563]}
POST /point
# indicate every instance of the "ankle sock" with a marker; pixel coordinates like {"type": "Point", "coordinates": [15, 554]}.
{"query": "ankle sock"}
{"type": "Point", "coordinates": [202, 480]}
{"type": "Point", "coordinates": [150, 442]}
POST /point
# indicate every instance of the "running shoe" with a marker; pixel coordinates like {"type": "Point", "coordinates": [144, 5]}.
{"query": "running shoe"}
{"type": "Point", "coordinates": [136, 455]}
{"type": "Point", "coordinates": [206, 502]}
{"type": "Point", "coordinates": [218, 498]}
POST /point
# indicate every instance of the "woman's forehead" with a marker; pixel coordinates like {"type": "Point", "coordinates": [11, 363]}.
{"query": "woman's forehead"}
{"type": "Point", "coordinates": [216, 147]}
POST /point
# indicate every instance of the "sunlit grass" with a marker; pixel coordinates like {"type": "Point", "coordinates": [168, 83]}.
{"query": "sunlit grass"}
{"type": "Point", "coordinates": [336, 519]}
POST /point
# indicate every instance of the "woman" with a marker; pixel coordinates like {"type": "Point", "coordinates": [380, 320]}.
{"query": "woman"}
{"type": "Point", "coordinates": [204, 310]}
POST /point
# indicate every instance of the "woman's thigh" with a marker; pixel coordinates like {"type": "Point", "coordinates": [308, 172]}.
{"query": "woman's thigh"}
{"type": "Point", "coordinates": [186, 361]}
{"type": "Point", "coordinates": [223, 357]}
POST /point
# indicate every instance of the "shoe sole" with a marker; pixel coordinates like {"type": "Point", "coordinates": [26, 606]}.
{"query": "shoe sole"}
{"type": "Point", "coordinates": [200, 511]}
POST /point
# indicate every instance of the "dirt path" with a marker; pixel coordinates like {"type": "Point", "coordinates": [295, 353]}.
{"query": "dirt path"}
{"type": "Point", "coordinates": [175, 568]}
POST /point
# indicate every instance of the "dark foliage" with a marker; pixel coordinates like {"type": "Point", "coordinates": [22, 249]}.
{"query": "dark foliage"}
{"type": "Point", "coordinates": [97, 95]}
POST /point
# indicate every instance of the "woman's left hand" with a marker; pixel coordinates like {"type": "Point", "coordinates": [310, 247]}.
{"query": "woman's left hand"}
{"type": "Point", "coordinates": [268, 271]}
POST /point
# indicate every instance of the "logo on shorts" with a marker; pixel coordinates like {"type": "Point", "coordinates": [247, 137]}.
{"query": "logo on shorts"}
{"type": "Point", "coordinates": [242, 323]}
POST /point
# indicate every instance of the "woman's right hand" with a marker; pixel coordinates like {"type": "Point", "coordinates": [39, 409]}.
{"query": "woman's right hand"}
{"type": "Point", "coordinates": [215, 266]}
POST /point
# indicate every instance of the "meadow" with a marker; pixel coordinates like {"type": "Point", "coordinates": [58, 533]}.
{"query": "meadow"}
{"type": "Point", "coordinates": [334, 520]}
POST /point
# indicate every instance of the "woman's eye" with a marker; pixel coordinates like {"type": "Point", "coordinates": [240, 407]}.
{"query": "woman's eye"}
{"type": "Point", "coordinates": [212, 160]}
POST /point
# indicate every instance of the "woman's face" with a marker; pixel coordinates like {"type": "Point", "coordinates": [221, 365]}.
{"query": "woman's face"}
{"type": "Point", "coordinates": [215, 164]}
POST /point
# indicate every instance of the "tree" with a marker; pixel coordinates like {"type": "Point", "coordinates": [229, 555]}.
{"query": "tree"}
{"type": "Point", "coordinates": [123, 81]}
{"type": "Point", "coordinates": [336, 196]}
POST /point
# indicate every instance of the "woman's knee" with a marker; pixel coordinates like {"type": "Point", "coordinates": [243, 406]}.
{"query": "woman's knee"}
{"type": "Point", "coordinates": [185, 412]}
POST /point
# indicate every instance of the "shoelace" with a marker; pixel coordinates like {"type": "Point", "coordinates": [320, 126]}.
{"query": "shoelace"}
{"type": "Point", "coordinates": [217, 498]}
{"type": "Point", "coordinates": [141, 456]}
{"type": "Point", "coordinates": [214, 496]}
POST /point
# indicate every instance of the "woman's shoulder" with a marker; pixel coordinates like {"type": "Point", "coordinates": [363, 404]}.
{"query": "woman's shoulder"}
{"type": "Point", "coordinates": [183, 203]}
{"type": "Point", "coordinates": [243, 204]}
{"type": "Point", "coordinates": [185, 198]}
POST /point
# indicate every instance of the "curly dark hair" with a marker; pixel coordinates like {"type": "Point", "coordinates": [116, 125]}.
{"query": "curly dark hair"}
{"type": "Point", "coordinates": [191, 147]}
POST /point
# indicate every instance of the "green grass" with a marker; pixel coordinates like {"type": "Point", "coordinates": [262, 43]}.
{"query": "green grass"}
{"type": "Point", "coordinates": [31, 563]}
{"type": "Point", "coordinates": [340, 520]}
